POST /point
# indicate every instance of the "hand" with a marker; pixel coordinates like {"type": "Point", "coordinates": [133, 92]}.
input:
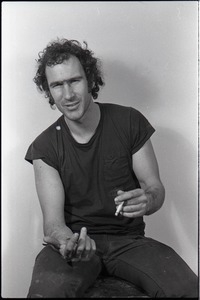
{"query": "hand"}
{"type": "Point", "coordinates": [85, 247]}
{"type": "Point", "coordinates": [74, 248]}
{"type": "Point", "coordinates": [135, 203]}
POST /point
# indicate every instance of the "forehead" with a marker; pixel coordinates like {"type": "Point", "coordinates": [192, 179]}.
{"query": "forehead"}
{"type": "Point", "coordinates": [67, 69]}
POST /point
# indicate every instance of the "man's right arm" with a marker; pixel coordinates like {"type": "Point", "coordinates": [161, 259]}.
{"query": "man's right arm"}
{"type": "Point", "coordinates": [51, 195]}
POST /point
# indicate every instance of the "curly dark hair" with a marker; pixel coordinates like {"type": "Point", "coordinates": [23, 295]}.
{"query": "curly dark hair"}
{"type": "Point", "coordinates": [58, 51]}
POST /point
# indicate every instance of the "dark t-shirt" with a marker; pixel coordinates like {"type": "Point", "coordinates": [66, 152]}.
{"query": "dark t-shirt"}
{"type": "Point", "coordinates": [92, 172]}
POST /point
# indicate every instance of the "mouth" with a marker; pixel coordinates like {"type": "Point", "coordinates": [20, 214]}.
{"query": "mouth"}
{"type": "Point", "coordinates": [72, 106]}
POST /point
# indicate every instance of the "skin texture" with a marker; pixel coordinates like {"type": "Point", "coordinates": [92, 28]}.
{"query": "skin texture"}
{"type": "Point", "coordinates": [150, 197]}
{"type": "Point", "coordinates": [69, 88]}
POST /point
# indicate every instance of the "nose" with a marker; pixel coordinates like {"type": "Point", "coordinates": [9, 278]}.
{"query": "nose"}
{"type": "Point", "coordinates": [67, 91]}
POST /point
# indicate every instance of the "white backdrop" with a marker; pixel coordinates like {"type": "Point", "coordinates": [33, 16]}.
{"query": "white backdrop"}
{"type": "Point", "coordinates": [149, 59]}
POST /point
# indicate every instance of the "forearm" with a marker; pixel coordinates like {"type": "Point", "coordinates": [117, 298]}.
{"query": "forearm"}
{"type": "Point", "coordinates": [155, 198]}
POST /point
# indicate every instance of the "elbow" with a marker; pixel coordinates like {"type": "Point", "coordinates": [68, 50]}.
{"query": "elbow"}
{"type": "Point", "coordinates": [163, 192]}
{"type": "Point", "coordinates": [162, 196]}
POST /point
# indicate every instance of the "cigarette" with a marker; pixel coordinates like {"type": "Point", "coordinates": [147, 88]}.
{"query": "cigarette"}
{"type": "Point", "coordinates": [119, 208]}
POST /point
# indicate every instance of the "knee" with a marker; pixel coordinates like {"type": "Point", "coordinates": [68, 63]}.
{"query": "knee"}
{"type": "Point", "coordinates": [55, 286]}
{"type": "Point", "coordinates": [189, 289]}
{"type": "Point", "coordinates": [177, 289]}
{"type": "Point", "coordinates": [46, 285]}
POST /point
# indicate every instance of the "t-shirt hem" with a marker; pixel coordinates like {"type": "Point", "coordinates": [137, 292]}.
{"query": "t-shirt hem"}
{"type": "Point", "coordinates": [146, 138]}
{"type": "Point", "coordinates": [43, 159]}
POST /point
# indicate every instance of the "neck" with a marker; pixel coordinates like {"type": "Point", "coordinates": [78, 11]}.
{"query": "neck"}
{"type": "Point", "coordinates": [82, 130]}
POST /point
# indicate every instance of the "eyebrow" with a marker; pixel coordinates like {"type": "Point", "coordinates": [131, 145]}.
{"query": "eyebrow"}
{"type": "Point", "coordinates": [67, 80]}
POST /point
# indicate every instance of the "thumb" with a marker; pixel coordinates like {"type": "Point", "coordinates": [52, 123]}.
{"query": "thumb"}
{"type": "Point", "coordinates": [120, 192]}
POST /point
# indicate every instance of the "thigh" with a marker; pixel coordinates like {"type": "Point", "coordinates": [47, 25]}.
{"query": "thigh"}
{"type": "Point", "coordinates": [54, 277]}
{"type": "Point", "coordinates": [153, 266]}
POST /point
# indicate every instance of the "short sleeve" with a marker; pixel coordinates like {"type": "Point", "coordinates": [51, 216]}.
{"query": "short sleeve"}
{"type": "Point", "coordinates": [140, 130]}
{"type": "Point", "coordinates": [43, 147]}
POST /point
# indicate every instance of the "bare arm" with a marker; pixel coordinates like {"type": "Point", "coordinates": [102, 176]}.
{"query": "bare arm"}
{"type": "Point", "coordinates": [150, 197]}
{"type": "Point", "coordinates": [146, 169]}
{"type": "Point", "coordinates": [51, 196]}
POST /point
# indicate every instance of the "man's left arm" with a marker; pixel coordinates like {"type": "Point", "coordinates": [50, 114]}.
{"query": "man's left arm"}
{"type": "Point", "coordinates": [150, 197]}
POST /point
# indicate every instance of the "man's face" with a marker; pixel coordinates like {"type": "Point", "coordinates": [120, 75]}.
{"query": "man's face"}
{"type": "Point", "coordinates": [69, 88]}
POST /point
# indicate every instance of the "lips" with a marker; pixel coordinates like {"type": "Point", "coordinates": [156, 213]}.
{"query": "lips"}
{"type": "Point", "coordinates": [72, 105]}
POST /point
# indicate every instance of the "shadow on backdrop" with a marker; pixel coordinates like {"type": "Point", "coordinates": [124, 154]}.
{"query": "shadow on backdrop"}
{"type": "Point", "coordinates": [179, 168]}
{"type": "Point", "coordinates": [176, 155]}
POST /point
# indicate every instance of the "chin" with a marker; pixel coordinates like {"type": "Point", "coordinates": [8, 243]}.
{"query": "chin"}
{"type": "Point", "coordinates": [74, 116]}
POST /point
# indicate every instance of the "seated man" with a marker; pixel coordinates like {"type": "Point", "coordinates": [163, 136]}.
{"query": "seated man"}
{"type": "Point", "coordinates": [96, 177]}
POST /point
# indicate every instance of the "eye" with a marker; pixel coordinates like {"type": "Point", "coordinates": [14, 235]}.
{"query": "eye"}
{"type": "Point", "coordinates": [56, 85]}
{"type": "Point", "coordinates": [75, 80]}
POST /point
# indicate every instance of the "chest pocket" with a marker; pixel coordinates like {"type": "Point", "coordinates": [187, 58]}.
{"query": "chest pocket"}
{"type": "Point", "coordinates": [117, 174]}
{"type": "Point", "coordinates": [116, 168]}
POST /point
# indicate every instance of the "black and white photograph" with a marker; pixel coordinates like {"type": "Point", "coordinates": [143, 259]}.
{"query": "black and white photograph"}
{"type": "Point", "coordinates": [100, 149]}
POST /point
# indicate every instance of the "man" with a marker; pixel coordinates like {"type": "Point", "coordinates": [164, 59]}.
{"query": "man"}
{"type": "Point", "coordinates": [96, 177]}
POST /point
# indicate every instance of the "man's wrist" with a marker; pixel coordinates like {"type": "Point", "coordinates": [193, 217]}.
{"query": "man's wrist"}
{"type": "Point", "coordinates": [155, 199]}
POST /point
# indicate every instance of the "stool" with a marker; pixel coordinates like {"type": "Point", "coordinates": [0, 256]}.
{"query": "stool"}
{"type": "Point", "coordinates": [113, 287]}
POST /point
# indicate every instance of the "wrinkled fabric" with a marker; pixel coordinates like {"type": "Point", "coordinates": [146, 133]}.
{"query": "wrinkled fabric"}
{"type": "Point", "coordinates": [148, 264]}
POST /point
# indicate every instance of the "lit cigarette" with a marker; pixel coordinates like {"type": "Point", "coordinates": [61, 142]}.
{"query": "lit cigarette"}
{"type": "Point", "coordinates": [119, 208]}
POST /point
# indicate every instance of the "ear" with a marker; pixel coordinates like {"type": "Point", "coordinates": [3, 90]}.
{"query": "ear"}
{"type": "Point", "coordinates": [53, 106]}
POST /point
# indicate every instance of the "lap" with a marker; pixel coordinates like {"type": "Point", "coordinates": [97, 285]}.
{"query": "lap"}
{"type": "Point", "coordinates": [151, 265]}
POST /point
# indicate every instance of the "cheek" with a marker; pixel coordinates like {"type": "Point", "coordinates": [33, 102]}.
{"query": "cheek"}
{"type": "Point", "coordinates": [82, 88]}
{"type": "Point", "coordinates": [57, 95]}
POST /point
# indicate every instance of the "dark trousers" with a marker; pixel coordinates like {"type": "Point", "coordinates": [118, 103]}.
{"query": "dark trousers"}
{"type": "Point", "coordinates": [149, 264]}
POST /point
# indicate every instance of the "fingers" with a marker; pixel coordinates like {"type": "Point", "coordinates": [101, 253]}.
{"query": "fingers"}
{"type": "Point", "coordinates": [89, 251]}
{"type": "Point", "coordinates": [135, 203]}
{"type": "Point", "coordinates": [135, 208]}
{"type": "Point", "coordinates": [79, 247]}
{"type": "Point", "coordinates": [75, 248]}
{"type": "Point", "coordinates": [133, 211]}
{"type": "Point", "coordinates": [133, 214]}
{"type": "Point", "coordinates": [81, 243]}
{"type": "Point", "coordinates": [67, 248]}
{"type": "Point", "coordinates": [120, 192]}
{"type": "Point", "coordinates": [86, 247]}
{"type": "Point", "coordinates": [129, 195]}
